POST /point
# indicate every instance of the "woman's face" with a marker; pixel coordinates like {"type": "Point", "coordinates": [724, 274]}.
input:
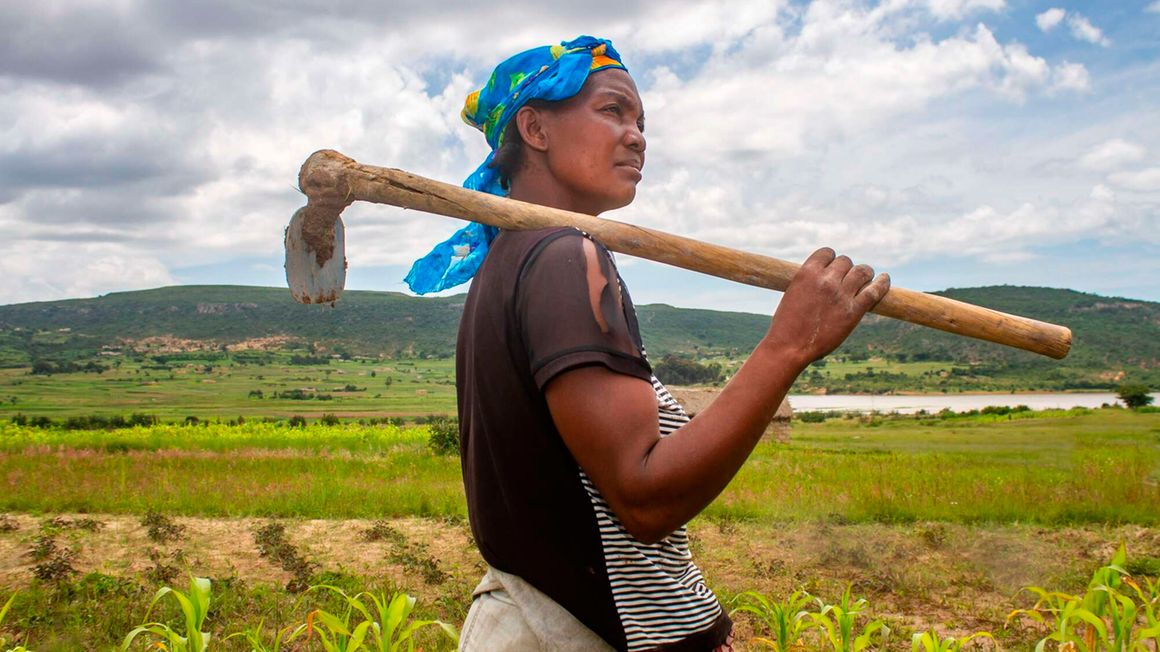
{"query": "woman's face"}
{"type": "Point", "coordinates": [594, 143]}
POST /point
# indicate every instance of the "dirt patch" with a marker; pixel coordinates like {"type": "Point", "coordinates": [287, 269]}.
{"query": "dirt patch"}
{"type": "Point", "coordinates": [275, 343]}
{"type": "Point", "coordinates": [225, 548]}
{"type": "Point", "coordinates": [957, 578]}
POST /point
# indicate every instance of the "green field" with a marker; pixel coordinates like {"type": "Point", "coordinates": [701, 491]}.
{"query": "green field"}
{"type": "Point", "coordinates": [214, 387]}
{"type": "Point", "coordinates": [937, 521]}
{"type": "Point", "coordinates": [1076, 466]}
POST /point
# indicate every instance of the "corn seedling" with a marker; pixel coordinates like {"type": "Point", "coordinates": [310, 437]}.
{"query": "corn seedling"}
{"type": "Point", "coordinates": [837, 624]}
{"type": "Point", "coordinates": [257, 639]}
{"type": "Point", "coordinates": [932, 642]}
{"type": "Point", "coordinates": [385, 630]}
{"type": "Point", "coordinates": [787, 621]}
{"type": "Point", "coordinates": [1149, 596]}
{"type": "Point", "coordinates": [4, 612]}
{"type": "Point", "coordinates": [1067, 616]}
{"type": "Point", "coordinates": [1105, 617]}
{"type": "Point", "coordinates": [194, 608]}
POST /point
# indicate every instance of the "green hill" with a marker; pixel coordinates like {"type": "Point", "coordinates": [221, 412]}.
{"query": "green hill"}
{"type": "Point", "coordinates": [1105, 331]}
{"type": "Point", "coordinates": [1113, 337]}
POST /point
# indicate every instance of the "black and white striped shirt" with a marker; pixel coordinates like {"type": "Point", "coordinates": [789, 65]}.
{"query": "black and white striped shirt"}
{"type": "Point", "coordinates": [658, 590]}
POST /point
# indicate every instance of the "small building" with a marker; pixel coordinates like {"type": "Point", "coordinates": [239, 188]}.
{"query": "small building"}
{"type": "Point", "coordinates": [695, 399]}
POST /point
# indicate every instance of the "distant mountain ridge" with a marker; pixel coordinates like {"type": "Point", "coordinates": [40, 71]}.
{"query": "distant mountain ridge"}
{"type": "Point", "coordinates": [1109, 332]}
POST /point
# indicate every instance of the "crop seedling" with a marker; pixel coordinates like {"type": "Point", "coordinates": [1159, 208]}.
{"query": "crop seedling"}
{"type": "Point", "coordinates": [787, 621]}
{"type": "Point", "coordinates": [4, 612]}
{"type": "Point", "coordinates": [194, 608]}
{"type": "Point", "coordinates": [932, 642]}
{"type": "Point", "coordinates": [256, 639]}
{"type": "Point", "coordinates": [1106, 617]}
{"type": "Point", "coordinates": [837, 622]}
{"type": "Point", "coordinates": [384, 626]}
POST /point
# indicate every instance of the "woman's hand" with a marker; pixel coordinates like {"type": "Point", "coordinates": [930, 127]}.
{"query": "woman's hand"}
{"type": "Point", "coordinates": [823, 304]}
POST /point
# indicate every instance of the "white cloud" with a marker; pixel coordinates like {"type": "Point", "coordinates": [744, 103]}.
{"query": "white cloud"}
{"type": "Point", "coordinates": [1153, 8]}
{"type": "Point", "coordinates": [1112, 154]}
{"type": "Point", "coordinates": [54, 269]}
{"type": "Point", "coordinates": [1147, 180]}
{"type": "Point", "coordinates": [953, 9]}
{"type": "Point", "coordinates": [897, 130]}
{"type": "Point", "coordinates": [1071, 77]}
{"type": "Point", "coordinates": [1050, 18]}
{"type": "Point", "coordinates": [1082, 29]}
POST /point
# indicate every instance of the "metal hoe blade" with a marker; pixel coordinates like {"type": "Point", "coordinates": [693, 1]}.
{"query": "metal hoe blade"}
{"type": "Point", "coordinates": [310, 282]}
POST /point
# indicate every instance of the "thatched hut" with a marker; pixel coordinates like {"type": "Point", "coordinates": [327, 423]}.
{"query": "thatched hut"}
{"type": "Point", "coordinates": [695, 399]}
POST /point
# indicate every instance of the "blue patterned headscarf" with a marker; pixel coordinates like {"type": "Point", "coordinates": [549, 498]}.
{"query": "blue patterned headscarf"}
{"type": "Point", "coordinates": [549, 73]}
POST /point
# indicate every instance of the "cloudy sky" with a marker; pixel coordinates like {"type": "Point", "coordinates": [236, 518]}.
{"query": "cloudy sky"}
{"type": "Point", "coordinates": [953, 143]}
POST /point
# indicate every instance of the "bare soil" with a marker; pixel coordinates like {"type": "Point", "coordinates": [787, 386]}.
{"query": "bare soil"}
{"type": "Point", "coordinates": [957, 578]}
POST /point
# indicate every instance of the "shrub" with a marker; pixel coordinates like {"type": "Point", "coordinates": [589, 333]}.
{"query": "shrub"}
{"type": "Point", "coordinates": [444, 438]}
{"type": "Point", "coordinates": [273, 545]}
{"type": "Point", "coordinates": [53, 563]}
{"type": "Point", "coordinates": [160, 528]}
{"type": "Point", "coordinates": [1134, 396]}
{"type": "Point", "coordinates": [813, 417]}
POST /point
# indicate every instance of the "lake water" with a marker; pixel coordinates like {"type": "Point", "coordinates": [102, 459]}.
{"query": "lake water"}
{"type": "Point", "coordinates": [956, 402]}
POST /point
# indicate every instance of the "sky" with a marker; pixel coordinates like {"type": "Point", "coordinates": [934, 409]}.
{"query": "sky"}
{"type": "Point", "coordinates": [952, 143]}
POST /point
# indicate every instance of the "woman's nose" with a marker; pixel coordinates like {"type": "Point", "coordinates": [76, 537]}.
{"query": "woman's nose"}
{"type": "Point", "coordinates": [635, 139]}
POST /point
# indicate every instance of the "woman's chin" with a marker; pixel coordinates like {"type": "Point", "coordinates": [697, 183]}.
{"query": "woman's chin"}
{"type": "Point", "coordinates": [621, 200]}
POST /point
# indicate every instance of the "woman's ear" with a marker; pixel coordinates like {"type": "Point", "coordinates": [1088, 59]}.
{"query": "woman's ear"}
{"type": "Point", "coordinates": [533, 127]}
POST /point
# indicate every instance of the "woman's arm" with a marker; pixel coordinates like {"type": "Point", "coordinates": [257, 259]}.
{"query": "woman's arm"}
{"type": "Point", "coordinates": [655, 485]}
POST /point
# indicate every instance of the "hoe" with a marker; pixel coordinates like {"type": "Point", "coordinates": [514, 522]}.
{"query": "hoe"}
{"type": "Point", "coordinates": [316, 263]}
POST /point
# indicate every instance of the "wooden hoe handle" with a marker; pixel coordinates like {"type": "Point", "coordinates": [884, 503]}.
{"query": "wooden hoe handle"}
{"type": "Point", "coordinates": [331, 181]}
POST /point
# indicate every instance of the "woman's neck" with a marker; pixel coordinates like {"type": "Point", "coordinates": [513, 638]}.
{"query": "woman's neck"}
{"type": "Point", "coordinates": [542, 189]}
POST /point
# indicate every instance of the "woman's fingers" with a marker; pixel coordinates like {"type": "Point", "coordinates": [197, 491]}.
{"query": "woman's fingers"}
{"type": "Point", "coordinates": [819, 260]}
{"type": "Point", "coordinates": [870, 295]}
{"type": "Point", "coordinates": [841, 267]}
{"type": "Point", "coordinates": [857, 278]}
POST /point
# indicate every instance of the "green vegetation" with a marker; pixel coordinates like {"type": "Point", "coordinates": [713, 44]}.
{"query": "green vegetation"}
{"type": "Point", "coordinates": [1117, 341]}
{"type": "Point", "coordinates": [1052, 467]}
{"type": "Point", "coordinates": [134, 392]}
{"type": "Point", "coordinates": [1117, 612]}
{"type": "Point", "coordinates": [1134, 396]}
{"type": "Point", "coordinates": [326, 618]}
{"type": "Point", "coordinates": [677, 370]}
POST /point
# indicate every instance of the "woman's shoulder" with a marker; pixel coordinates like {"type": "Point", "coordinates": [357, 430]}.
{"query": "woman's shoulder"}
{"type": "Point", "coordinates": [525, 248]}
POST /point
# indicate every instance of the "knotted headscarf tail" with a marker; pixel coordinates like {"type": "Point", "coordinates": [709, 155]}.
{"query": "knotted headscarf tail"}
{"type": "Point", "coordinates": [549, 73]}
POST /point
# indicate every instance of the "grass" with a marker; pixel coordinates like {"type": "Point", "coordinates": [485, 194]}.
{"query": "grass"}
{"type": "Point", "coordinates": [213, 388]}
{"type": "Point", "coordinates": [1055, 467]}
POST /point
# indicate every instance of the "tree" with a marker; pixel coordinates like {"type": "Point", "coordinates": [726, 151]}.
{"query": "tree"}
{"type": "Point", "coordinates": [1134, 396]}
{"type": "Point", "coordinates": [681, 371]}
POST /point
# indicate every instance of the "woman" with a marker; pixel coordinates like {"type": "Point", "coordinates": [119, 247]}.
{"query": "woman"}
{"type": "Point", "coordinates": [579, 467]}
